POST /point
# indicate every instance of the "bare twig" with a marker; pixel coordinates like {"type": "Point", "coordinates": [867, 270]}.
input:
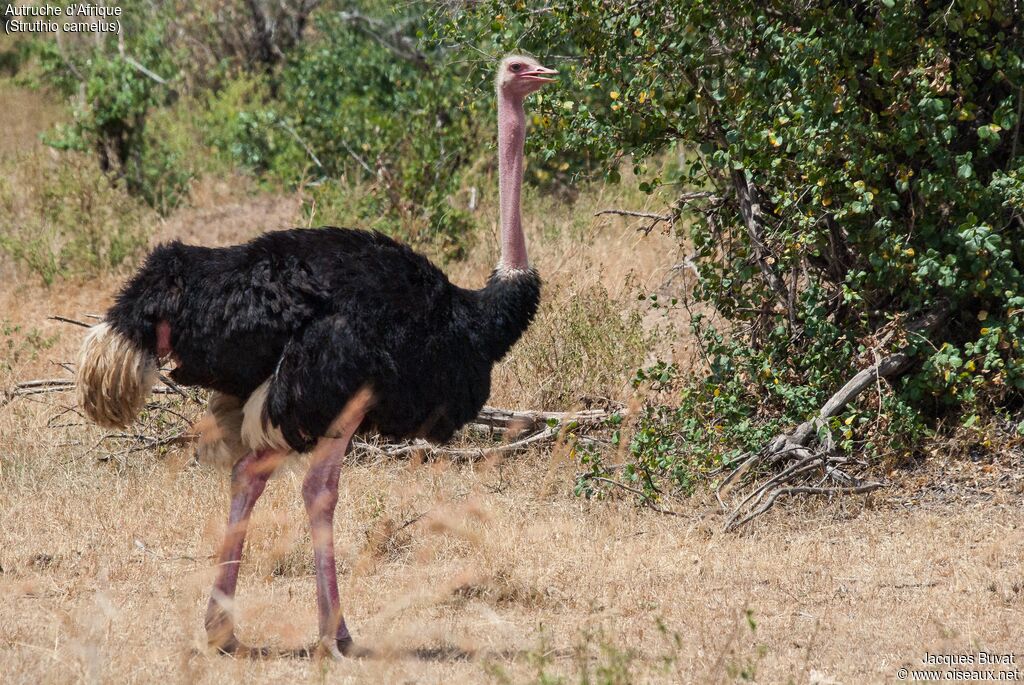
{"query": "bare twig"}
{"type": "Point", "coordinates": [801, 490]}
{"type": "Point", "coordinates": [45, 387]}
{"type": "Point", "coordinates": [36, 387]}
{"type": "Point", "coordinates": [750, 210]}
{"type": "Point", "coordinates": [352, 153]}
{"type": "Point", "coordinates": [462, 454]}
{"type": "Point", "coordinates": [143, 70]}
{"type": "Point", "coordinates": [391, 451]}
{"type": "Point", "coordinates": [676, 210]}
{"type": "Point", "coordinates": [64, 319]}
{"type": "Point", "coordinates": [628, 212]}
{"type": "Point", "coordinates": [298, 139]}
{"type": "Point", "coordinates": [670, 219]}
{"type": "Point", "coordinates": [796, 453]}
{"type": "Point", "coordinates": [644, 497]}
{"type": "Point", "coordinates": [139, 442]}
{"type": "Point", "coordinates": [45, 382]}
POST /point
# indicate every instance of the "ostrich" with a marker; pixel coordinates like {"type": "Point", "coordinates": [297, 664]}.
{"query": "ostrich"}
{"type": "Point", "coordinates": [307, 336]}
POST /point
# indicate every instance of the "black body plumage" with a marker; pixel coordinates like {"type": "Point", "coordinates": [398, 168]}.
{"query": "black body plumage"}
{"type": "Point", "coordinates": [326, 312]}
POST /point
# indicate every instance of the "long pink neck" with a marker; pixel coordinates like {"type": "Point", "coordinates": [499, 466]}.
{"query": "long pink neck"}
{"type": "Point", "coordinates": [511, 136]}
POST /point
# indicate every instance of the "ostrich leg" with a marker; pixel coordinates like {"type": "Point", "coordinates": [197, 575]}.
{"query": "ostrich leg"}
{"type": "Point", "coordinates": [320, 493]}
{"type": "Point", "coordinates": [248, 480]}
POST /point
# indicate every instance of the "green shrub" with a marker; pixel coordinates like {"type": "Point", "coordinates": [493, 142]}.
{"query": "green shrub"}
{"type": "Point", "coordinates": [358, 98]}
{"type": "Point", "coordinates": [19, 345]}
{"type": "Point", "coordinates": [862, 165]}
{"type": "Point", "coordinates": [65, 219]}
{"type": "Point", "coordinates": [114, 89]}
{"type": "Point", "coordinates": [364, 102]}
{"type": "Point", "coordinates": [236, 125]}
{"type": "Point", "coordinates": [349, 111]}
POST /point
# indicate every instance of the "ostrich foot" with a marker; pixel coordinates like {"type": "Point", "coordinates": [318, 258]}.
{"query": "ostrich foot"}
{"type": "Point", "coordinates": [220, 631]}
{"type": "Point", "coordinates": [220, 636]}
{"type": "Point", "coordinates": [330, 648]}
{"type": "Point", "coordinates": [231, 646]}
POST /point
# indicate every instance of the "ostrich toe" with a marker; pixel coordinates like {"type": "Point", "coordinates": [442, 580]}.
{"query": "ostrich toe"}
{"type": "Point", "coordinates": [344, 648]}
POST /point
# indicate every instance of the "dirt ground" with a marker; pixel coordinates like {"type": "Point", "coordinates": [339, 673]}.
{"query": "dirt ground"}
{"type": "Point", "coordinates": [470, 573]}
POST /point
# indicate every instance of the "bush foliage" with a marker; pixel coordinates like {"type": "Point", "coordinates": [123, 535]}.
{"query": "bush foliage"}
{"type": "Point", "coordinates": [857, 166]}
{"type": "Point", "coordinates": [66, 219]}
{"type": "Point", "coordinates": [844, 168]}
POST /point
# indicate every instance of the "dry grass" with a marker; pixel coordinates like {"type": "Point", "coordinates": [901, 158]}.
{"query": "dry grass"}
{"type": "Point", "coordinates": [106, 569]}
{"type": "Point", "coordinates": [26, 115]}
{"type": "Point", "coordinates": [505, 576]}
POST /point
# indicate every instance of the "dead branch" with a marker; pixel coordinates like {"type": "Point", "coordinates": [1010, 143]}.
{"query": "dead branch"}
{"type": "Point", "coordinates": [138, 442]}
{"type": "Point", "coordinates": [536, 427]}
{"type": "Point", "coordinates": [644, 497]}
{"type": "Point", "coordinates": [390, 37]}
{"type": "Point", "coordinates": [391, 451]}
{"type": "Point", "coordinates": [298, 139]}
{"type": "Point", "coordinates": [801, 490]}
{"type": "Point", "coordinates": [889, 366]}
{"type": "Point", "coordinates": [359, 160]}
{"type": "Point", "coordinates": [55, 385]}
{"type": "Point", "coordinates": [64, 319]}
{"type": "Point", "coordinates": [750, 210]}
{"type": "Point", "coordinates": [428, 451]}
{"type": "Point", "coordinates": [643, 215]}
{"type": "Point", "coordinates": [676, 210]}
{"type": "Point", "coordinates": [143, 70]}
{"type": "Point", "coordinates": [44, 383]}
{"type": "Point", "coordinates": [810, 449]}
{"type": "Point", "coordinates": [528, 420]}
{"type": "Point", "coordinates": [36, 387]}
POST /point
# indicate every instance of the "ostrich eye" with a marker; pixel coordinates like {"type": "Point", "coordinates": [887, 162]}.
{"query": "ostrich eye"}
{"type": "Point", "coordinates": [516, 67]}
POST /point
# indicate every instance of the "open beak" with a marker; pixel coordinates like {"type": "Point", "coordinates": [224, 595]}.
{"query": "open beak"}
{"type": "Point", "coordinates": [540, 74]}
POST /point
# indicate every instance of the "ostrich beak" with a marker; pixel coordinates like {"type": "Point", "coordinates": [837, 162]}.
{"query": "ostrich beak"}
{"type": "Point", "coordinates": [539, 74]}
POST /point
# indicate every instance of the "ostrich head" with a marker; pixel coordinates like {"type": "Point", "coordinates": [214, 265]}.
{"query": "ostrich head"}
{"type": "Point", "coordinates": [519, 75]}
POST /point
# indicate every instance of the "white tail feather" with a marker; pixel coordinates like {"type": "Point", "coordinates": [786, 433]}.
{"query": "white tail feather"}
{"type": "Point", "coordinates": [220, 431]}
{"type": "Point", "coordinates": [258, 433]}
{"type": "Point", "coordinates": [114, 377]}
{"type": "Point", "coordinates": [230, 429]}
